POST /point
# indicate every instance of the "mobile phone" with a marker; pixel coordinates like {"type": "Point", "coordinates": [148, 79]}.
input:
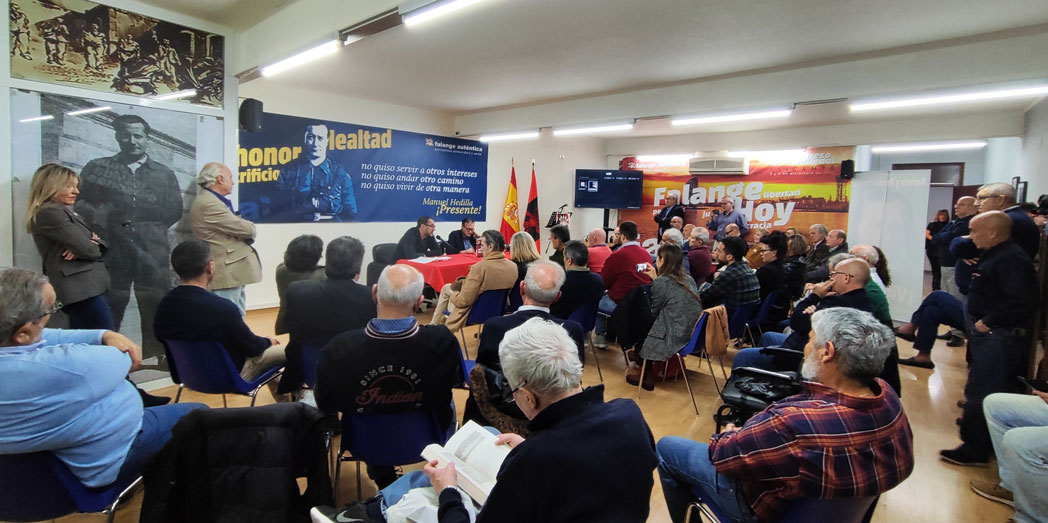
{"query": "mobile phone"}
{"type": "Point", "coordinates": [642, 267]}
{"type": "Point", "coordinates": [1038, 385]}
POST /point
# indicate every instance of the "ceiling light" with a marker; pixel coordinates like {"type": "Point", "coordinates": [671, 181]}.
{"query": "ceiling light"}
{"type": "Point", "coordinates": [503, 137]}
{"type": "Point", "coordinates": [37, 118]}
{"type": "Point", "coordinates": [665, 158]}
{"type": "Point", "coordinates": [917, 147]}
{"type": "Point", "coordinates": [732, 117]}
{"type": "Point", "coordinates": [435, 10]}
{"type": "Point", "coordinates": [89, 111]}
{"type": "Point", "coordinates": [304, 57]}
{"type": "Point", "coordinates": [971, 96]}
{"type": "Point", "coordinates": [177, 95]}
{"type": "Point", "coordinates": [604, 128]}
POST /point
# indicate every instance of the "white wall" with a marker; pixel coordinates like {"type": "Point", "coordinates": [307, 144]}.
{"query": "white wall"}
{"type": "Point", "coordinates": [974, 161]}
{"type": "Point", "coordinates": [1035, 150]}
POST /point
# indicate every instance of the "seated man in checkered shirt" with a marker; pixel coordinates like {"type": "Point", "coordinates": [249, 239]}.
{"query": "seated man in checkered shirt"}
{"type": "Point", "coordinates": [844, 436]}
{"type": "Point", "coordinates": [736, 284]}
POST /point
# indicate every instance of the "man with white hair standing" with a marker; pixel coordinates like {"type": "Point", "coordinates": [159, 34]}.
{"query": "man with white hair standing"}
{"type": "Point", "coordinates": [229, 235]}
{"type": "Point", "coordinates": [596, 242]}
{"type": "Point", "coordinates": [727, 216]}
{"type": "Point", "coordinates": [782, 454]}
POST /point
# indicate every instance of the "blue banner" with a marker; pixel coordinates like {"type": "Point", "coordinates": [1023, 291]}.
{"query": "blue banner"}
{"type": "Point", "coordinates": [307, 170]}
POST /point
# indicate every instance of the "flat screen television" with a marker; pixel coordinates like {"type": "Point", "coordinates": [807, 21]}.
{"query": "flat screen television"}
{"type": "Point", "coordinates": [608, 189]}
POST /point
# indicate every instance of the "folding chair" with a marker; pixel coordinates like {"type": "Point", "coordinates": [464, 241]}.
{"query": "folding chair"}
{"type": "Point", "coordinates": [489, 304]}
{"type": "Point", "coordinates": [587, 317]}
{"type": "Point", "coordinates": [762, 316]}
{"type": "Point", "coordinates": [38, 486]}
{"type": "Point", "coordinates": [205, 366]}
{"type": "Point", "coordinates": [697, 336]}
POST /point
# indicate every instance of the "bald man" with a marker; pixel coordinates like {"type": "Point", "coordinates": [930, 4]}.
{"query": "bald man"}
{"type": "Point", "coordinates": [1002, 301]}
{"type": "Point", "coordinates": [599, 251]}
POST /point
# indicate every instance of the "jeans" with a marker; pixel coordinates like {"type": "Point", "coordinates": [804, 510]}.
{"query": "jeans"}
{"type": "Point", "coordinates": [155, 432]}
{"type": "Point", "coordinates": [997, 358]}
{"type": "Point", "coordinates": [92, 313]}
{"type": "Point", "coordinates": [949, 282]}
{"type": "Point", "coordinates": [604, 309]}
{"type": "Point", "coordinates": [684, 467]}
{"type": "Point", "coordinates": [1018, 426]}
{"type": "Point", "coordinates": [752, 357]}
{"type": "Point", "coordinates": [235, 295]}
{"type": "Point", "coordinates": [939, 308]}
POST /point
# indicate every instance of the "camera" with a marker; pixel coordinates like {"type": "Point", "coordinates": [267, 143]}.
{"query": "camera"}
{"type": "Point", "coordinates": [642, 267]}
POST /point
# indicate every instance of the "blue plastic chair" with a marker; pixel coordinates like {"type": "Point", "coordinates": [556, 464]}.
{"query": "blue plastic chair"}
{"type": "Point", "coordinates": [838, 510]}
{"type": "Point", "coordinates": [698, 335]}
{"type": "Point", "coordinates": [205, 366]}
{"type": "Point", "coordinates": [489, 304]}
{"type": "Point", "coordinates": [587, 317]}
{"type": "Point", "coordinates": [38, 486]}
{"type": "Point", "coordinates": [386, 440]}
{"type": "Point", "coordinates": [762, 314]}
{"type": "Point", "coordinates": [740, 316]}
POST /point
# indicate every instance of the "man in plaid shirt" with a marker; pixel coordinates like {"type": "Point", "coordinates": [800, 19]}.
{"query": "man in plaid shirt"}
{"type": "Point", "coordinates": [737, 284]}
{"type": "Point", "coordinates": [844, 436]}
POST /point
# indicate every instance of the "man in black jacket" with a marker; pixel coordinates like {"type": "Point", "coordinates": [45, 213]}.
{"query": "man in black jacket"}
{"type": "Point", "coordinates": [418, 241]}
{"type": "Point", "coordinates": [836, 242]}
{"type": "Point", "coordinates": [1001, 304]}
{"type": "Point", "coordinates": [581, 288]}
{"type": "Point", "coordinates": [462, 240]}
{"type": "Point", "coordinates": [666, 214]}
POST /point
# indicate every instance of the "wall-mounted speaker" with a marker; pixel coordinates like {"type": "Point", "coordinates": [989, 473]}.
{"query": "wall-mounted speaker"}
{"type": "Point", "coordinates": [251, 115]}
{"type": "Point", "coordinates": [847, 166]}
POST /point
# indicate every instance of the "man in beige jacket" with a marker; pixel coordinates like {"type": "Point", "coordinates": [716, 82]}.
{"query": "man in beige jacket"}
{"type": "Point", "coordinates": [493, 272]}
{"type": "Point", "coordinates": [229, 235]}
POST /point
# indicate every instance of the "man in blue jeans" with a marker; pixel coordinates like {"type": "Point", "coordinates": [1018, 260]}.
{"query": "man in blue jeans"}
{"type": "Point", "coordinates": [65, 391]}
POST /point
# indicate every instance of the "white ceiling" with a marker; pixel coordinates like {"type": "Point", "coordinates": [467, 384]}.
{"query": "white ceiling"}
{"type": "Point", "coordinates": [235, 14]}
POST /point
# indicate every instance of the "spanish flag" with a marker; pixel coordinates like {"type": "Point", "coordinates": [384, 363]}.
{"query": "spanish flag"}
{"type": "Point", "coordinates": [510, 214]}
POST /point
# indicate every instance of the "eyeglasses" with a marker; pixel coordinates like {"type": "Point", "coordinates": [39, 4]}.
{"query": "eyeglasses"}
{"type": "Point", "coordinates": [987, 197]}
{"type": "Point", "coordinates": [54, 308]}
{"type": "Point", "coordinates": [832, 274]}
{"type": "Point", "coordinates": [513, 393]}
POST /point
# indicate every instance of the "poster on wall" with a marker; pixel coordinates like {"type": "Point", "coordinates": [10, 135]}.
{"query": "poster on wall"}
{"type": "Point", "coordinates": [137, 169]}
{"type": "Point", "coordinates": [306, 170]}
{"type": "Point", "coordinates": [779, 192]}
{"type": "Point", "coordinates": [94, 46]}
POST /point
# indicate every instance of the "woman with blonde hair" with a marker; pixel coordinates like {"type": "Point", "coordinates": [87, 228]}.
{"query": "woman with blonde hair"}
{"type": "Point", "coordinates": [72, 253]}
{"type": "Point", "coordinates": [522, 251]}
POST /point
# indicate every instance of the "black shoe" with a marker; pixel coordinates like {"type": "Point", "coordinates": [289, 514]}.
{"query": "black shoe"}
{"type": "Point", "coordinates": [908, 337]}
{"type": "Point", "coordinates": [955, 341]}
{"type": "Point", "coordinates": [149, 400]}
{"type": "Point", "coordinates": [944, 336]}
{"type": "Point", "coordinates": [914, 363]}
{"type": "Point", "coordinates": [963, 457]}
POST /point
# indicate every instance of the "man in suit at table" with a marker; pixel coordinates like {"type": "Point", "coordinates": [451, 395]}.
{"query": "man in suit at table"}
{"type": "Point", "coordinates": [229, 235]}
{"type": "Point", "coordinates": [418, 241]}
{"type": "Point", "coordinates": [462, 240]}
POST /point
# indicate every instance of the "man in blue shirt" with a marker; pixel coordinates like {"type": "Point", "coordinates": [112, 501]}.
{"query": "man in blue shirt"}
{"type": "Point", "coordinates": [728, 215]}
{"type": "Point", "coordinates": [65, 391]}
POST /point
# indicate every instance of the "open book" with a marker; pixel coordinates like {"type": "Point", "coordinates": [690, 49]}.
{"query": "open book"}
{"type": "Point", "coordinates": [476, 457]}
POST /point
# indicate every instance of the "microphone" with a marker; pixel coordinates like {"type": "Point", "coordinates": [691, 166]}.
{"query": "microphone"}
{"type": "Point", "coordinates": [562, 207]}
{"type": "Point", "coordinates": [441, 243]}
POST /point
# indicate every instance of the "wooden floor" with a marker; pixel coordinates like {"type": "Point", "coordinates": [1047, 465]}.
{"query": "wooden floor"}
{"type": "Point", "coordinates": [934, 492]}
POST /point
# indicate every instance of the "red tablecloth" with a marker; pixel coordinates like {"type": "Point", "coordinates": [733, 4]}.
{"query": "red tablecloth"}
{"type": "Point", "coordinates": [439, 272]}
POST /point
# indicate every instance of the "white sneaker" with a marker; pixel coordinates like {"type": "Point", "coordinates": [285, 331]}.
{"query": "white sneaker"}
{"type": "Point", "coordinates": [306, 396]}
{"type": "Point", "coordinates": [599, 341]}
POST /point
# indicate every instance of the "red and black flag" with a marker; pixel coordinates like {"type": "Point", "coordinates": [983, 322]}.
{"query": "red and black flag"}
{"type": "Point", "coordinates": [531, 216]}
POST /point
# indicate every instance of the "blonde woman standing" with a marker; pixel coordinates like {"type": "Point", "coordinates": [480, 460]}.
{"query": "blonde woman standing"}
{"type": "Point", "coordinates": [72, 253]}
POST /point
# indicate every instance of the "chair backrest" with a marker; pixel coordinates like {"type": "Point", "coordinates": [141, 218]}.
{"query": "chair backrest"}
{"type": "Point", "coordinates": [515, 301]}
{"type": "Point", "coordinates": [489, 304]}
{"type": "Point", "coordinates": [586, 316]}
{"type": "Point", "coordinates": [38, 486]}
{"type": "Point", "coordinates": [203, 366]}
{"type": "Point", "coordinates": [766, 306]}
{"type": "Point", "coordinates": [698, 336]}
{"type": "Point", "coordinates": [310, 355]}
{"type": "Point", "coordinates": [838, 510]}
{"type": "Point", "coordinates": [390, 439]}
{"type": "Point", "coordinates": [740, 316]}
{"type": "Point", "coordinates": [384, 252]}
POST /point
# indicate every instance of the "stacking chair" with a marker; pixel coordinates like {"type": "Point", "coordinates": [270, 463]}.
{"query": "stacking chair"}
{"type": "Point", "coordinates": [762, 316]}
{"type": "Point", "coordinates": [587, 317]}
{"type": "Point", "coordinates": [489, 304]}
{"type": "Point", "coordinates": [386, 440]}
{"type": "Point", "coordinates": [838, 510]}
{"type": "Point", "coordinates": [205, 366]}
{"type": "Point", "coordinates": [739, 317]}
{"type": "Point", "coordinates": [38, 486]}
{"type": "Point", "coordinates": [697, 336]}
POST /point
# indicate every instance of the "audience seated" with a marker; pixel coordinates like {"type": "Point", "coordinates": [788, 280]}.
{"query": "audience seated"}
{"type": "Point", "coordinates": [598, 249]}
{"type": "Point", "coordinates": [621, 275]}
{"type": "Point", "coordinates": [673, 236]}
{"type": "Point", "coordinates": [755, 254]}
{"type": "Point", "coordinates": [190, 312]}
{"type": "Point", "coordinates": [835, 242]}
{"type": "Point", "coordinates": [393, 364]}
{"type": "Point", "coordinates": [700, 260]}
{"type": "Point", "coordinates": [522, 252]}
{"type": "Point", "coordinates": [491, 273]}
{"type": "Point", "coordinates": [772, 276]}
{"type": "Point", "coordinates": [675, 307]}
{"type": "Point", "coordinates": [319, 310]}
{"type": "Point", "coordinates": [818, 250]}
{"type": "Point", "coordinates": [300, 263]}
{"type": "Point", "coordinates": [794, 267]}
{"type": "Point", "coordinates": [845, 436]}
{"type": "Point", "coordinates": [616, 240]}
{"type": "Point", "coordinates": [736, 284]}
{"type": "Point", "coordinates": [581, 288]}
{"type": "Point", "coordinates": [64, 391]}
{"type": "Point", "coordinates": [559, 235]}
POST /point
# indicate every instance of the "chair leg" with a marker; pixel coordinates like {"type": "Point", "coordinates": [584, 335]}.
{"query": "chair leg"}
{"type": "Point", "coordinates": [713, 375]}
{"type": "Point", "coordinates": [224, 406]}
{"type": "Point", "coordinates": [338, 476]}
{"type": "Point", "coordinates": [723, 373]}
{"type": "Point", "coordinates": [465, 348]}
{"type": "Point", "coordinates": [690, 392]}
{"type": "Point", "coordinates": [360, 494]}
{"type": "Point", "coordinates": [179, 393]}
{"type": "Point", "coordinates": [596, 361]}
{"type": "Point", "coordinates": [640, 382]}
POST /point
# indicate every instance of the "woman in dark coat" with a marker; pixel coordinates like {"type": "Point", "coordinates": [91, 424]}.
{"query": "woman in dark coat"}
{"type": "Point", "coordinates": [942, 218]}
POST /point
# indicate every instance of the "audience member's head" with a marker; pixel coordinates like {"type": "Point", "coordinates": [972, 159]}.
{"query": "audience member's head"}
{"type": "Point", "coordinates": [791, 232]}
{"type": "Point", "coordinates": [541, 363]}
{"type": "Point", "coordinates": [542, 283]}
{"type": "Point", "coordinates": [303, 253]}
{"type": "Point", "coordinates": [836, 237]}
{"type": "Point", "coordinates": [628, 231]}
{"type": "Point", "coordinates": [616, 237]}
{"type": "Point", "coordinates": [673, 236]}
{"type": "Point", "coordinates": [575, 254]}
{"type": "Point", "coordinates": [797, 246]}
{"type": "Point", "coordinates": [192, 260]}
{"type": "Point", "coordinates": [849, 275]}
{"type": "Point", "coordinates": [874, 256]}
{"type": "Point", "coordinates": [597, 237]}
{"type": "Point", "coordinates": [816, 233]}
{"type": "Point", "coordinates": [774, 246]}
{"type": "Point", "coordinates": [558, 236]}
{"type": "Point", "coordinates": [866, 252]}
{"type": "Point", "coordinates": [882, 267]}
{"type": "Point", "coordinates": [732, 231]}
{"type": "Point", "coordinates": [942, 215]}
{"type": "Point", "coordinates": [677, 223]}
{"type": "Point", "coordinates": [669, 261]}
{"type": "Point", "coordinates": [493, 241]}
{"type": "Point", "coordinates": [996, 196]}
{"type": "Point", "coordinates": [344, 257]}
{"type": "Point", "coordinates": [699, 236]}
{"type": "Point", "coordinates": [51, 183]}
{"type": "Point", "coordinates": [522, 248]}
{"type": "Point", "coordinates": [989, 229]}
{"type": "Point", "coordinates": [688, 227]}
{"type": "Point", "coordinates": [846, 343]}
{"type": "Point", "coordinates": [671, 199]}
{"type": "Point", "coordinates": [965, 207]}
{"type": "Point", "coordinates": [733, 249]}
{"type": "Point", "coordinates": [26, 303]}
{"type": "Point", "coordinates": [398, 292]}
{"type": "Point", "coordinates": [216, 177]}
{"type": "Point", "coordinates": [727, 204]}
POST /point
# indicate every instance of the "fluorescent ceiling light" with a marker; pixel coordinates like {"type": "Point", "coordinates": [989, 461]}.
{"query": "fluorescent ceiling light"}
{"type": "Point", "coordinates": [37, 118]}
{"type": "Point", "coordinates": [502, 137]}
{"type": "Point", "coordinates": [665, 158]}
{"type": "Point", "coordinates": [971, 96]}
{"type": "Point", "coordinates": [89, 111]}
{"type": "Point", "coordinates": [917, 147]}
{"type": "Point", "coordinates": [438, 9]}
{"type": "Point", "coordinates": [320, 51]}
{"type": "Point", "coordinates": [604, 128]}
{"type": "Point", "coordinates": [732, 117]}
{"type": "Point", "coordinates": [176, 95]}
